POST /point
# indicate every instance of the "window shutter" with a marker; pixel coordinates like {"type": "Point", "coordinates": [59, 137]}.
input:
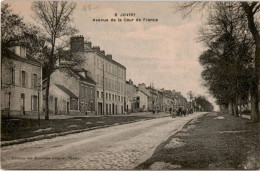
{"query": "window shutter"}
{"type": "Point", "coordinates": [31, 102]}
{"type": "Point", "coordinates": [32, 80]}
{"type": "Point", "coordinates": [20, 78]}
{"type": "Point", "coordinates": [26, 79]}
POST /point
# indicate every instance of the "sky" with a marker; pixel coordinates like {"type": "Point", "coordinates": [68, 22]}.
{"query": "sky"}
{"type": "Point", "coordinates": [164, 53]}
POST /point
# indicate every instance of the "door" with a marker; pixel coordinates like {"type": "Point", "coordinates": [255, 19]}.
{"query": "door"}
{"type": "Point", "coordinates": [22, 104]}
{"type": "Point", "coordinates": [68, 108]}
{"type": "Point", "coordinates": [113, 108]}
{"type": "Point", "coordinates": [122, 108]}
{"type": "Point", "coordinates": [56, 106]}
{"type": "Point", "coordinates": [99, 108]}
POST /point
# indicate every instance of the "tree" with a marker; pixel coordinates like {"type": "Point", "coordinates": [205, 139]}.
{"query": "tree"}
{"type": "Point", "coordinates": [204, 104]}
{"type": "Point", "coordinates": [228, 62]}
{"type": "Point", "coordinates": [55, 20]}
{"type": "Point", "coordinates": [12, 31]}
{"type": "Point", "coordinates": [250, 9]}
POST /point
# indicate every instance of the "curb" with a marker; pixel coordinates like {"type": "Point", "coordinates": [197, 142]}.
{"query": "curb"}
{"type": "Point", "coordinates": [48, 136]}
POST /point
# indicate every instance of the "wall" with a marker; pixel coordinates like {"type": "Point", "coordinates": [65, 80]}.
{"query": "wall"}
{"type": "Point", "coordinates": [17, 89]}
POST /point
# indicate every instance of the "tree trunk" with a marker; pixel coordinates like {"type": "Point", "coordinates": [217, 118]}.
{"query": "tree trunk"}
{"type": "Point", "coordinates": [254, 107]}
{"type": "Point", "coordinates": [253, 29]}
{"type": "Point", "coordinates": [47, 98]}
{"type": "Point", "coordinates": [230, 108]}
{"type": "Point", "coordinates": [235, 107]}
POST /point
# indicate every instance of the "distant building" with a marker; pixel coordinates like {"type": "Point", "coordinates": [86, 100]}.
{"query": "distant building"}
{"type": "Point", "coordinates": [131, 93]}
{"type": "Point", "coordinates": [71, 95]}
{"type": "Point", "coordinates": [109, 75]}
{"type": "Point", "coordinates": [21, 81]}
{"type": "Point", "coordinates": [142, 88]}
{"type": "Point", "coordinates": [142, 101]}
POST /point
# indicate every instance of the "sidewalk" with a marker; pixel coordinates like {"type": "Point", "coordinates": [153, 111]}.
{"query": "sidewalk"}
{"type": "Point", "coordinates": [15, 131]}
{"type": "Point", "coordinates": [212, 142]}
{"type": "Point", "coordinates": [52, 117]}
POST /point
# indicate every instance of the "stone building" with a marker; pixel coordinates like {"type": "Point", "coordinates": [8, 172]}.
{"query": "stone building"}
{"type": "Point", "coordinates": [109, 75]}
{"type": "Point", "coordinates": [142, 87]}
{"type": "Point", "coordinates": [71, 94]}
{"type": "Point", "coordinates": [131, 92]}
{"type": "Point", "coordinates": [142, 101]}
{"type": "Point", "coordinates": [21, 77]}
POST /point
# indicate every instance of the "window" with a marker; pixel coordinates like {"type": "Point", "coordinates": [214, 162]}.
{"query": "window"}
{"type": "Point", "coordinates": [97, 94]}
{"type": "Point", "coordinates": [106, 95]}
{"type": "Point", "coordinates": [113, 97]}
{"type": "Point", "coordinates": [86, 91]}
{"type": "Point", "coordinates": [109, 96]}
{"type": "Point", "coordinates": [34, 81]}
{"type": "Point", "coordinates": [34, 103]}
{"type": "Point", "coordinates": [91, 91]}
{"type": "Point", "coordinates": [23, 52]}
{"type": "Point", "coordinates": [73, 104]}
{"type": "Point", "coordinates": [23, 78]}
{"type": "Point", "coordinates": [102, 95]}
{"type": "Point", "coordinates": [122, 99]}
{"type": "Point", "coordinates": [98, 79]}
{"type": "Point", "coordinates": [118, 98]}
{"type": "Point", "coordinates": [13, 76]}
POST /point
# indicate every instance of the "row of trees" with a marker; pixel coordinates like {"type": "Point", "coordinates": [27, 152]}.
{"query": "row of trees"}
{"type": "Point", "coordinates": [204, 104]}
{"type": "Point", "coordinates": [201, 101]}
{"type": "Point", "coordinates": [47, 40]}
{"type": "Point", "coordinates": [231, 61]}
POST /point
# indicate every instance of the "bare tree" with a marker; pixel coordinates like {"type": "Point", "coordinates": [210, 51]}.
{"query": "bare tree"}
{"type": "Point", "coordinates": [55, 20]}
{"type": "Point", "coordinates": [250, 9]}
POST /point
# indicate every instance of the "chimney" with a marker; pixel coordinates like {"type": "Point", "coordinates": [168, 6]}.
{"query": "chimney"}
{"type": "Point", "coordinates": [96, 48]}
{"type": "Point", "coordinates": [109, 56]}
{"type": "Point", "coordinates": [77, 43]}
{"type": "Point", "coordinates": [103, 52]}
{"type": "Point", "coordinates": [89, 44]}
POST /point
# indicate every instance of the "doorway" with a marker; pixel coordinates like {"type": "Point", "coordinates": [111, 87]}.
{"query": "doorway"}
{"type": "Point", "coordinates": [56, 106]}
{"type": "Point", "coordinates": [99, 108]}
{"type": "Point", "coordinates": [23, 104]}
{"type": "Point", "coordinates": [68, 108]}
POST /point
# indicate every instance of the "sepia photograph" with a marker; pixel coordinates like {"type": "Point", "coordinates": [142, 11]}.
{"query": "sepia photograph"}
{"type": "Point", "coordinates": [130, 85]}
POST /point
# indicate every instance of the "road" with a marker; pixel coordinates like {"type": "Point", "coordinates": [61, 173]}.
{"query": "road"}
{"type": "Point", "coordinates": [117, 147]}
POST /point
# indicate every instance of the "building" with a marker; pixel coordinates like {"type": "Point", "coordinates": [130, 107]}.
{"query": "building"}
{"type": "Point", "coordinates": [143, 89]}
{"type": "Point", "coordinates": [21, 83]}
{"type": "Point", "coordinates": [72, 93]}
{"type": "Point", "coordinates": [142, 101]}
{"type": "Point", "coordinates": [109, 75]}
{"type": "Point", "coordinates": [131, 93]}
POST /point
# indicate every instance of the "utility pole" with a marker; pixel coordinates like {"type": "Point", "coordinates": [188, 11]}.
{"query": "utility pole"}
{"type": "Point", "coordinates": [103, 89]}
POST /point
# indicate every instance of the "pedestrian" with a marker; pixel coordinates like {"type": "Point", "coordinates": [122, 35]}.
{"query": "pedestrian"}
{"type": "Point", "coordinates": [170, 110]}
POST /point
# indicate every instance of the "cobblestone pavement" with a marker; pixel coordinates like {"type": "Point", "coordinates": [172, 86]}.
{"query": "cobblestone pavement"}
{"type": "Point", "coordinates": [118, 147]}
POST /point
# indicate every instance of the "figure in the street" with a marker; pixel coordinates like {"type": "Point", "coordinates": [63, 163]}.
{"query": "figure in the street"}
{"type": "Point", "coordinates": [170, 110]}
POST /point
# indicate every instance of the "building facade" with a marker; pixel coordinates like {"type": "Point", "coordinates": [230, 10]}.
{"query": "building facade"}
{"type": "Point", "coordinates": [71, 95]}
{"type": "Point", "coordinates": [131, 93]}
{"type": "Point", "coordinates": [21, 84]}
{"type": "Point", "coordinates": [109, 75]}
{"type": "Point", "coordinates": [142, 101]}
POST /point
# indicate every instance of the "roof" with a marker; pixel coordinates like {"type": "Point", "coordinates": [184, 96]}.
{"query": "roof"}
{"type": "Point", "coordinates": [29, 59]}
{"type": "Point", "coordinates": [84, 79]}
{"type": "Point", "coordinates": [67, 91]}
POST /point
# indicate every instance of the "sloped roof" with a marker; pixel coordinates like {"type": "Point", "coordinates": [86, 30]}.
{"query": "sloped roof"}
{"type": "Point", "coordinates": [29, 59]}
{"type": "Point", "coordinates": [66, 90]}
{"type": "Point", "coordinates": [85, 79]}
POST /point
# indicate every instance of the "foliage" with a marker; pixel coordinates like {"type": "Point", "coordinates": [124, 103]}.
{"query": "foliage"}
{"type": "Point", "coordinates": [228, 62]}
{"type": "Point", "coordinates": [55, 20]}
